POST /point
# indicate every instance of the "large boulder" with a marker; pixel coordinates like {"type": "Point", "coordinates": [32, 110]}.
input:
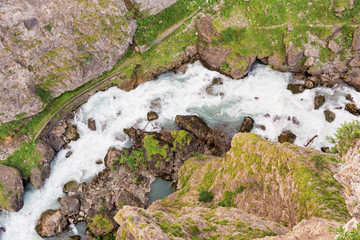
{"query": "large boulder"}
{"type": "Point", "coordinates": [193, 124]}
{"type": "Point", "coordinates": [11, 189]}
{"type": "Point", "coordinates": [51, 223]}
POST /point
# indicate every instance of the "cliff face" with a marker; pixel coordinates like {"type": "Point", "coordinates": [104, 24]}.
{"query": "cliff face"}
{"type": "Point", "coordinates": [277, 182]}
{"type": "Point", "coordinates": [48, 47]}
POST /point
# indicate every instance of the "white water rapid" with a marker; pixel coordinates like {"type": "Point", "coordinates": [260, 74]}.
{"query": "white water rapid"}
{"type": "Point", "coordinates": [262, 95]}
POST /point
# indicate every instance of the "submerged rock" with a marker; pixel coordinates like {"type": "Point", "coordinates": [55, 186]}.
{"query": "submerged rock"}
{"type": "Point", "coordinates": [319, 100]}
{"type": "Point", "coordinates": [247, 124]}
{"type": "Point", "coordinates": [11, 189]}
{"type": "Point", "coordinates": [287, 136]}
{"type": "Point", "coordinates": [51, 223]}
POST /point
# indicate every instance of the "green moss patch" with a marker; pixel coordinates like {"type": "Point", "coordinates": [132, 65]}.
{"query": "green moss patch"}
{"type": "Point", "coordinates": [101, 224]}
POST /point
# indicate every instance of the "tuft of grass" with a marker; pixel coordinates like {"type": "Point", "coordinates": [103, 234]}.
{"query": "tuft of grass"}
{"type": "Point", "coordinates": [48, 27]}
{"type": "Point", "coordinates": [101, 224]}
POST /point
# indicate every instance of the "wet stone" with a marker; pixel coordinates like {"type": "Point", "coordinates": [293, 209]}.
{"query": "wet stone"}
{"type": "Point", "coordinates": [329, 115]}
{"type": "Point", "coordinates": [319, 100]}
{"type": "Point", "coordinates": [287, 136]}
{"type": "Point", "coordinates": [296, 88]}
{"type": "Point", "coordinates": [351, 108]}
{"type": "Point", "coordinates": [151, 116]}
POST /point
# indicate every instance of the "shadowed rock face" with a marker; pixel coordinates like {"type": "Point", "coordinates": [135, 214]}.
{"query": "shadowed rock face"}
{"type": "Point", "coordinates": [11, 189]}
{"type": "Point", "coordinates": [57, 44]}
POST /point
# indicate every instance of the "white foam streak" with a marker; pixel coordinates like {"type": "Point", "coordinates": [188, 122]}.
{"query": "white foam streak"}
{"type": "Point", "coordinates": [261, 94]}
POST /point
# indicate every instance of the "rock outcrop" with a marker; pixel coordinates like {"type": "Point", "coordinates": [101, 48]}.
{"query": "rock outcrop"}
{"type": "Point", "coordinates": [43, 55]}
{"type": "Point", "coordinates": [11, 189]}
{"type": "Point", "coordinates": [269, 180]}
{"type": "Point", "coordinates": [313, 229]}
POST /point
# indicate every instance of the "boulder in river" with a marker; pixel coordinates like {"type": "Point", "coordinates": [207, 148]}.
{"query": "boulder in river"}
{"type": "Point", "coordinates": [247, 125]}
{"type": "Point", "coordinates": [11, 189]}
{"type": "Point", "coordinates": [71, 132]}
{"type": "Point", "coordinates": [296, 88]}
{"type": "Point", "coordinates": [51, 223]}
{"type": "Point", "coordinates": [151, 116]}
{"type": "Point", "coordinates": [329, 115]}
{"type": "Point", "coordinates": [319, 100]}
{"type": "Point", "coordinates": [352, 108]}
{"type": "Point", "coordinates": [193, 124]}
{"type": "Point", "coordinates": [92, 124]}
{"type": "Point", "coordinates": [287, 136]}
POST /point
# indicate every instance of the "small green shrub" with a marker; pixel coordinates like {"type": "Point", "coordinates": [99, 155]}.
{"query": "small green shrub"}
{"type": "Point", "coordinates": [228, 34]}
{"type": "Point", "coordinates": [225, 67]}
{"type": "Point", "coordinates": [353, 234]}
{"type": "Point", "coordinates": [345, 137]}
{"type": "Point", "coordinates": [44, 95]}
{"type": "Point", "coordinates": [48, 27]}
{"type": "Point", "coordinates": [205, 196]}
{"type": "Point", "coordinates": [227, 200]}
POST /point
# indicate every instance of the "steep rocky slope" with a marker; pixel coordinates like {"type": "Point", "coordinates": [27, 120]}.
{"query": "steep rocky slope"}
{"type": "Point", "coordinates": [280, 183]}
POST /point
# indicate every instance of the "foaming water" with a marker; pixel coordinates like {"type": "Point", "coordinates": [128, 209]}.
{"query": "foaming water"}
{"type": "Point", "coordinates": [262, 95]}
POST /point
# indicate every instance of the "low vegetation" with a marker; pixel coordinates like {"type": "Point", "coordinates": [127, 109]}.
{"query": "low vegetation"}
{"type": "Point", "coordinates": [345, 137]}
{"type": "Point", "coordinates": [353, 234]}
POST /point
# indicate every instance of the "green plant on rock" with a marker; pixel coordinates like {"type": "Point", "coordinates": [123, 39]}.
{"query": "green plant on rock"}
{"type": "Point", "coordinates": [133, 159]}
{"type": "Point", "coordinates": [205, 196]}
{"type": "Point", "coordinates": [345, 137]}
{"type": "Point", "coordinates": [227, 200]}
{"type": "Point", "coordinates": [152, 147]}
{"type": "Point", "coordinates": [4, 197]}
{"type": "Point", "coordinates": [24, 159]}
{"type": "Point", "coordinates": [353, 234]}
{"type": "Point", "coordinates": [101, 224]}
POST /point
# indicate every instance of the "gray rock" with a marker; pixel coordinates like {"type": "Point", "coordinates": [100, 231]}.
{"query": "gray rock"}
{"type": "Point", "coordinates": [92, 124]}
{"type": "Point", "coordinates": [71, 132]}
{"type": "Point", "coordinates": [152, 116]}
{"type": "Point", "coordinates": [329, 115]}
{"type": "Point", "coordinates": [56, 142]}
{"type": "Point", "coordinates": [294, 55]}
{"type": "Point", "coordinates": [287, 136]}
{"type": "Point", "coordinates": [71, 186]}
{"type": "Point", "coordinates": [309, 84]}
{"type": "Point", "coordinates": [353, 78]}
{"type": "Point", "coordinates": [46, 151]}
{"type": "Point", "coordinates": [69, 205]}
{"type": "Point", "coordinates": [51, 223]}
{"type": "Point", "coordinates": [73, 42]}
{"type": "Point", "coordinates": [334, 47]}
{"type": "Point", "coordinates": [319, 100]}
{"type": "Point", "coordinates": [247, 124]}
{"type": "Point", "coordinates": [31, 23]}
{"type": "Point", "coordinates": [356, 40]}
{"type": "Point", "coordinates": [153, 7]}
{"type": "Point", "coordinates": [11, 189]}
{"type": "Point", "coordinates": [37, 177]}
